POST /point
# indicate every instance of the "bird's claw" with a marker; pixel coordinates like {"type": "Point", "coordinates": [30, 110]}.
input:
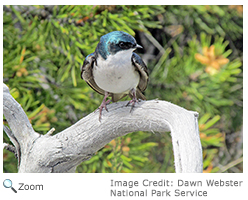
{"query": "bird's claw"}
{"type": "Point", "coordinates": [133, 101]}
{"type": "Point", "coordinates": [103, 105]}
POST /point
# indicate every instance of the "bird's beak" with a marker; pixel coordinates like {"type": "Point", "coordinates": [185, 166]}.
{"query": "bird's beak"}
{"type": "Point", "coordinates": [138, 46]}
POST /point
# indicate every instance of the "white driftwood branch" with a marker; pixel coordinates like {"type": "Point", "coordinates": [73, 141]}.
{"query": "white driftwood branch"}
{"type": "Point", "coordinates": [63, 151]}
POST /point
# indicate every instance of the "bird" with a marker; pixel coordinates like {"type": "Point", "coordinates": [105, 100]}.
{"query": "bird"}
{"type": "Point", "coordinates": [115, 71]}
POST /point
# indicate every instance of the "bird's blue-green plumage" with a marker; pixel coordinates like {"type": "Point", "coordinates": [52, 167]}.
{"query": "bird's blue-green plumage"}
{"type": "Point", "coordinates": [109, 43]}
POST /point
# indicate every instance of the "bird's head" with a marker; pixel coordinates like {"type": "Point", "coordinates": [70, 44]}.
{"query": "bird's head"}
{"type": "Point", "coordinates": [114, 42]}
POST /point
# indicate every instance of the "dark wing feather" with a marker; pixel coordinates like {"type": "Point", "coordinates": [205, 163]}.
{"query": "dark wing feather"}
{"type": "Point", "coordinates": [87, 74]}
{"type": "Point", "coordinates": [141, 67]}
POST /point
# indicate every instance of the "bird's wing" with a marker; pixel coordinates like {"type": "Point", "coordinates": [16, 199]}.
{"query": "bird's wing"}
{"type": "Point", "coordinates": [87, 74]}
{"type": "Point", "coordinates": [141, 67]}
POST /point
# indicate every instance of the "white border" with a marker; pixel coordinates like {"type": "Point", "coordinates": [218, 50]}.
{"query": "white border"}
{"type": "Point", "coordinates": [94, 186]}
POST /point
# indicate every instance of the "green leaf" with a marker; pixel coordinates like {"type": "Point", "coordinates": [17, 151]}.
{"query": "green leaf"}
{"type": "Point", "coordinates": [204, 118]}
{"type": "Point", "coordinates": [211, 122]}
{"type": "Point", "coordinates": [73, 74]}
{"type": "Point", "coordinates": [36, 111]}
{"type": "Point", "coordinates": [19, 16]}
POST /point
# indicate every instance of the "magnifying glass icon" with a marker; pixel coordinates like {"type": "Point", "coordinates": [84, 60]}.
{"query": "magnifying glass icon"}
{"type": "Point", "coordinates": [8, 184]}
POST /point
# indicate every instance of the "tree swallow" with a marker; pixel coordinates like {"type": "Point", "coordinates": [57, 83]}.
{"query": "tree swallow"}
{"type": "Point", "coordinates": [114, 70]}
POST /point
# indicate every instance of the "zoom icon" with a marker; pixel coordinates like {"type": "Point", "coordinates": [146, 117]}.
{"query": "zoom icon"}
{"type": "Point", "coordinates": [7, 183]}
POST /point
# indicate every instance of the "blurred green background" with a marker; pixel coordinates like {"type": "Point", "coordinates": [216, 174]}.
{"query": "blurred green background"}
{"type": "Point", "coordinates": [194, 55]}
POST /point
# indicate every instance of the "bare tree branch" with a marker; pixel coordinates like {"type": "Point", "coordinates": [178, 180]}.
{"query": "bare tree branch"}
{"type": "Point", "coordinates": [63, 151]}
{"type": "Point", "coordinates": [16, 148]}
{"type": "Point", "coordinates": [10, 148]}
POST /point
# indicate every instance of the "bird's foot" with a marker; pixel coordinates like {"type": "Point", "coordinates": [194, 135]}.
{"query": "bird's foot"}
{"type": "Point", "coordinates": [132, 102]}
{"type": "Point", "coordinates": [103, 105]}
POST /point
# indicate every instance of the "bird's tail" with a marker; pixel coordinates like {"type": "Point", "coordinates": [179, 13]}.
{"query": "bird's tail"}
{"type": "Point", "coordinates": [140, 95]}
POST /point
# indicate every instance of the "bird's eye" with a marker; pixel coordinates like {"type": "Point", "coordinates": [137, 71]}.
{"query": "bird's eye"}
{"type": "Point", "coordinates": [122, 45]}
{"type": "Point", "coordinates": [125, 45]}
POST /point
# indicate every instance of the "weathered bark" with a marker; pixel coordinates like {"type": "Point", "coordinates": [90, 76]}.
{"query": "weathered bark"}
{"type": "Point", "coordinates": [63, 151]}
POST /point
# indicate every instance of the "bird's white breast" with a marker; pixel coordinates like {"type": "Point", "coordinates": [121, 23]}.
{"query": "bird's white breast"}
{"type": "Point", "coordinates": [116, 74]}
